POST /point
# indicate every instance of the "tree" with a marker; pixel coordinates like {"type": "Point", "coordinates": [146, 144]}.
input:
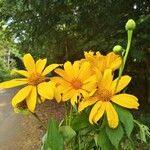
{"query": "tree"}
{"type": "Point", "coordinates": [62, 29]}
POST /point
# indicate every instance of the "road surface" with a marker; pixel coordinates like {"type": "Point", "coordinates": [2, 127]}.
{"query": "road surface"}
{"type": "Point", "coordinates": [18, 132]}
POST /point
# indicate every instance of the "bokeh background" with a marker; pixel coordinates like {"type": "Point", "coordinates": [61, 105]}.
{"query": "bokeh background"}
{"type": "Point", "coordinates": [63, 29]}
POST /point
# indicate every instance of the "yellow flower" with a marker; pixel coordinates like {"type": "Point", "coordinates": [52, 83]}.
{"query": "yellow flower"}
{"type": "Point", "coordinates": [105, 95]}
{"type": "Point", "coordinates": [101, 62]}
{"type": "Point", "coordinates": [35, 81]}
{"type": "Point", "coordinates": [74, 82]}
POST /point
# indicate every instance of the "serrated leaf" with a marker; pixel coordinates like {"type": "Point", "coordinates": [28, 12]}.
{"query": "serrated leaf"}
{"type": "Point", "coordinates": [115, 135]}
{"type": "Point", "coordinates": [126, 118]}
{"type": "Point", "coordinates": [67, 132]}
{"type": "Point", "coordinates": [103, 141]}
{"type": "Point", "coordinates": [53, 139]}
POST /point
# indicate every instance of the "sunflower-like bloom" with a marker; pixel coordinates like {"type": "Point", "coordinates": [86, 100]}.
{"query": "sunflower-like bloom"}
{"type": "Point", "coordinates": [35, 82]}
{"type": "Point", "coordinates": [75, 81]}
{"type": "Point", "coordinates": [101, 62]}
{"type": "Point", "coordinates": [105, 96]}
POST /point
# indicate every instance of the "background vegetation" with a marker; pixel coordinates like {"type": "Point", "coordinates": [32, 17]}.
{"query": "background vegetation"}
{"type": "Point", "coordinates": [62, 29]}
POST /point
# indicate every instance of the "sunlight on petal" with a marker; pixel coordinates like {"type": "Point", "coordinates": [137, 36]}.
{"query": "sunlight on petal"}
{"type": "Point", "coordinates": [31, 99]}
{"type": "Point", "coordinates": [100, 112]}
{"type": "Point", "coordinates": [13, 83]}
{"type": "Point", "coordinates": [40, 65]}
{"type": "Point", "coordinates": [88, 102]}
{"type": "Point", "coordinates": [21, 95]}
{"type": "Point", "coordinates": [94, 111]}
{"type": "Point", "coordinates": [112, 116]}
{"type": "Point", "coordinates": [126, 100]}
{"type": "Point", "coordinates": [29, 62]}
{"type": "Point", "coordinates": [46, 89]}
{"type": "Point", "coordinates": [123, 82]}
{"type": "Point", "coordinates": [49, 68]}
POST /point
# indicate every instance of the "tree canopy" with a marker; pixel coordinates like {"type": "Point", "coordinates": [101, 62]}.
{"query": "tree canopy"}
{"type": "Point", "coordinates": [62, 29]}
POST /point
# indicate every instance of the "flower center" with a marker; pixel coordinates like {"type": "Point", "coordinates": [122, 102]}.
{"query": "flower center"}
{"type": "Point", "coordinates": [103, 94]}
{"type": "Point", "coordinates": [35, 79]}
{"type": "Point", "coordinates": [77, 84]}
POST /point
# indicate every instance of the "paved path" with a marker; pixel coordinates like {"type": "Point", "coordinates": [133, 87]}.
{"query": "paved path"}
{"type": "Point", "coordinates": [18, 132]}
{"type": "Point", "coordinates": [9, 121]}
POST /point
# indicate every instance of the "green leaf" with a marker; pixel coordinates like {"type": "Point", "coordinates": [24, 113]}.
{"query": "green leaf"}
{"type": "Point", "coordinates": [126, 118]}
{"type": "Point", "coordinates": [80, 121]}
{"type": "Point", "coordinates": [103, 141]}
{"type": "Point", "coordinates": [53, 139]}
{"type": "Point", "coordinates": [67, 133]}
{"type": "Point", "coordinates": [115, 135]}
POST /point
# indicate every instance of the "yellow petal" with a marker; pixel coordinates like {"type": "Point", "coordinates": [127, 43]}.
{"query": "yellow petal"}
{"type": "Point", "coordinates": [99, 113]}
{"type": "Point", "coordinates": [61, 81]}
{"type": "Point", "coordinates": [40, 64]}
{"type": "Point", "coordinates": [106, 79]}
{"type": "Point", "coordinates": [74, 98]}
{"type": "Point", "coordinates": [123, 82]}
{"type": "Point", "coordinates": [13, 83]}
{"type": "Point", "coordinates": [83, 93]}
{"type": "Point", "coordinates": [31, 99]}
{"type": "Point", "coordinates": [84, 71]}
{"type": "Point", "coordinates": [76, 68]}
{"type": "Point", "coordinates": [116, 64]}
{"type": "Point", "coordinates": [46, 89]}
{"type": "Point", "coordinates": [21, 95]}
{"type": "Point", "coordinates": [88, 102]}
{"type": "Point", "coordinates": [29, 62]}
{"type": "Point", "coordinates": [57, 94]}
{"type": "Point", "coordinates": [89, 86]}
{"type": "Point", "coordinates": [112, 116]}
{"type": "Point", "coordinates": [68, 94]}
{"type": "Point", "coordinates": [91, 78]}
{"type": "Point", "coordinates": [49, 68]}
{"type": "Point", "coordinates": [21, 72]}
{"type": "Point", "coordinates": [69, 69]}
{"type": "Point", "coordinates": [63, 74]}
{"type": "Point", "coordinates": [113, 61]}
{"type": "Point", "coordinates": [98, 74]}
{"type": "Point", "coordinates": [94, 111]}
{"type": "Point", "coordinates": [126, 100]}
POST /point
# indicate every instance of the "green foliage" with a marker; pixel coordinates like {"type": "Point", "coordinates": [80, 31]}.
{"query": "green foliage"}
{"type": "Point", "coordinates": [80, 121]}
{"type": "Point", "coordinates": [126, 119]}
{"type": "Point", "coordinates": [144, 131]}
{"type": "Point", "coordinates": [115, 135]}
{"type": "Point", "coordinates": [63, 29]}
{"type": "Point", "coordinates": [8, 51]}
{"type": "Point", "coordinates": [53, 139]}
{"type": "Point", "coordinates": [103, 141]}
{"type": "Point", "coordinates": [67, 133]}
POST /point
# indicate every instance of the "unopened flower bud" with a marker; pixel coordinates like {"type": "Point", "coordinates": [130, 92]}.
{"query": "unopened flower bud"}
{"type": "Point", "coordinates": [130, 25]}
{"type": "Point", "coordinates": [117, 49]}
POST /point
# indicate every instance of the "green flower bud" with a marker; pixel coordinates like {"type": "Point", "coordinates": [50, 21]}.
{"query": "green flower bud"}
{"type": "Point", "coordinates": [130, 25]}
{"type": "Point", "coordinates": [117, 49]}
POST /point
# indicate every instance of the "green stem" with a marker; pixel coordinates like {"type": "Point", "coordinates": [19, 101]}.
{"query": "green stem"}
{"type": "Point", "coordinates": [66, 114]}
{"type": "Point", "coordinates": [41, 122]}
{"type": "Point", "coordinates": [124, 58]}
{"type": "Point", "coordinates": [70, 115]}
{"type": "Point", "coordinates": [79, 143]}
{"type": "Point", "coordinates": [130, 32]}
{"type": "Point", "coordinates": [136, 122]}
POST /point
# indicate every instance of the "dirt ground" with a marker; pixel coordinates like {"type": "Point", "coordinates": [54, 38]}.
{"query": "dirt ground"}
{"type": "Point", "coordinates": [18, 132]}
